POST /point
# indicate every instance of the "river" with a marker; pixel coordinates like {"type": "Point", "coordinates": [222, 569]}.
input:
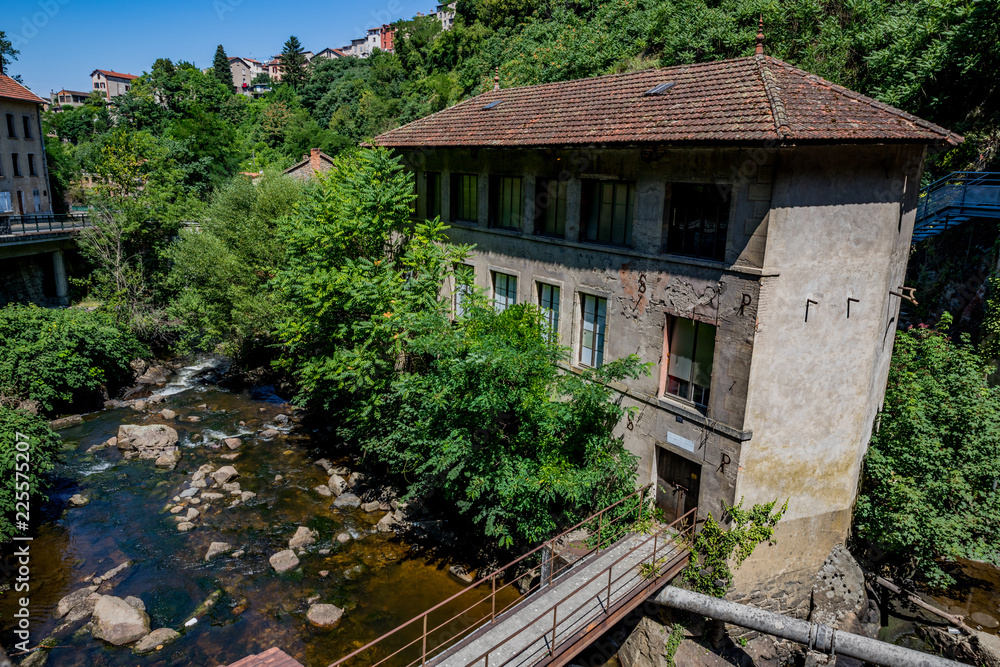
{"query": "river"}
{"type": "Point", "coordinates": [380, 579]}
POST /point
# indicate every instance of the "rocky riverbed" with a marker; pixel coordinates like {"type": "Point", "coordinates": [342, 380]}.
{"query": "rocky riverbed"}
{"type": "Point", "coordinates": [192, 525]}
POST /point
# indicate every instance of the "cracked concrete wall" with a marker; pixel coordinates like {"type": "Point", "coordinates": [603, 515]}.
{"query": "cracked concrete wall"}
{"type": "Point", "coordinates": [839, 228]}
{"type": "Point", "coordinates": [642, 284]}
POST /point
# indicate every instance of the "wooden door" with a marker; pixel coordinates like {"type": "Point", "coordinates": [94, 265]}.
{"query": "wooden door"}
{"type": "Point", "coordinates": [677, 484]}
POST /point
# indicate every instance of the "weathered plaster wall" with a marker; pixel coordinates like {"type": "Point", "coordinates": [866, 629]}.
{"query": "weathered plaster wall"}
{"type": "Point", "coordinates": [839, 228]}
{"type": "Point", "coordinates": [642, 284]}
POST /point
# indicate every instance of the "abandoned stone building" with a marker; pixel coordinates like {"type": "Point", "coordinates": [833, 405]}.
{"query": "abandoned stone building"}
{"type": "Point", "coordinates": [744, 225]}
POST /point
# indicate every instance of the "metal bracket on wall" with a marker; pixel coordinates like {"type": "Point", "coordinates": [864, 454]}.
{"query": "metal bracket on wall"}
{"type": "Point", "coordinates": [849, 300]}
{"type": "Point", "coordinates": [808, 302]}
{"type": "Point", "coordinates": [906, 293]}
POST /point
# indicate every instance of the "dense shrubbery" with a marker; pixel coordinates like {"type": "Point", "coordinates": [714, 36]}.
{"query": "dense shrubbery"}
{"type": "Point", "coordinates": [929, 489]}
{"type": "Point", "coordinates": [490, 424]}
{"type": "Point", "coordinates": [22, 467]}
{"type": "Point", "coordinates": [61, 357]}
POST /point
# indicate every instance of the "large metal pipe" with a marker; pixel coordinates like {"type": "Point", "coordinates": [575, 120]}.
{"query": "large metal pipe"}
{"type": "Point", "coordinates": [813, 635]}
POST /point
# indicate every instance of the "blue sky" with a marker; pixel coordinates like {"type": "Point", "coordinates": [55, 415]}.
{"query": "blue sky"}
{"type": "Point", "coordinates": [63, 41]}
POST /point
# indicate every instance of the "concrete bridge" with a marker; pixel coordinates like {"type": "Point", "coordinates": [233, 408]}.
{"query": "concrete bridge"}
{"type": "Point", "coordinates": [32, 260]}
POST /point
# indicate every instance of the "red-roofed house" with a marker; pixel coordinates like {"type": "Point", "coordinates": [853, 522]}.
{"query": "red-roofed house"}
{"type": "Point", "coordinates": [317, 162]}
{"type": "Point", "coordinates": [112, 84]}
{"type": "Point", "coordinates": [741, 225]}
{"type": "Point", "coordinates": [24, 176]}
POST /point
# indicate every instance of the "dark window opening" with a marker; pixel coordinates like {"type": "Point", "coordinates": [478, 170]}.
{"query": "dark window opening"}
{"type": "Point", "coordinates": [26, 123]}
{"type": "Point", "coordinates": [31, 165]}
{"type": "Point", "coordinates": [432, 197]}
{"type": "Point", "coordinates": [506, 202]}
{"type": "Point", "coordinates": [606, 212]}
{"type": "Point", "coordinates": [698, 222]}
{"type": "Point", "coordinates": [15, 161]}
{"type": "Point", "coordinates": [10, 126]}
{"type": "Point", "coordinates": [550, 207]}
{"type": "Point", "coordinates": [465, 197]}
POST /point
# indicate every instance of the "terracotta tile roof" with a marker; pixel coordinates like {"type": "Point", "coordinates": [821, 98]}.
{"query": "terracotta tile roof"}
{"type": "Point", "coordinates": [117, 75]}
{"type": "Point", "coordinates": [12, 90]}
{"type": "Point", "coordinates": [746, 100]}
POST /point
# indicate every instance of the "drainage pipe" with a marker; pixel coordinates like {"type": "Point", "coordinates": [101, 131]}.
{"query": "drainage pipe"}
{"type": "Point", "coordinates": [815, 636]}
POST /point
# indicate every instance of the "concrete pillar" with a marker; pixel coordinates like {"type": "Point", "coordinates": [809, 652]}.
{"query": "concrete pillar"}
{"type": "Point", "coordinates": [59, 273]}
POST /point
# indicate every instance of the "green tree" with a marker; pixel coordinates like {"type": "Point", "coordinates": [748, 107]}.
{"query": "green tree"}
{"type": "Point", "coordinates": [293, 63]}
{"type": "Point", "coordinates": [219, 274]}
{"type": "Point", "coordinates": [929, 489]}
{"type": "Point", "coordinates": [356, 277]}
{"type": "Point", "coordinates": [486, 422]}
{"type": "Point", "coordinates": [27, 453]}
{"type": "Point", "coordinates": [220, 68]}
{"type": "Point", "coordinates": [8, 54]}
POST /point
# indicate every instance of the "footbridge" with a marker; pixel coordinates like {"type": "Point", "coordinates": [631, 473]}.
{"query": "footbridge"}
{"type": "Point", "coordinates": [954, 199]}
{"type": "Point", "coordinates": [34, 236]}
{"type": "Point", "coordinates": [574, 587]}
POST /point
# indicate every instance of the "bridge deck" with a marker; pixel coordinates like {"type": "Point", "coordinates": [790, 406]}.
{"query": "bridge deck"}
{"type": "Point", "coordinates": [576, 604]}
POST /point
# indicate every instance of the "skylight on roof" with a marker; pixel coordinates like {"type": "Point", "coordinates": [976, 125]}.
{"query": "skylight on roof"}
{"type": "Point", "coordinates": [662, 88]}
{"type": "Point", "coordinates": [492, 105]}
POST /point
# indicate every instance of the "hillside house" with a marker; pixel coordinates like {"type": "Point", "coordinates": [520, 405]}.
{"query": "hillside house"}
{"type": "Point", "coordinates": [744, 226]}
{"type": "Point", "coordinates": [112, 84]}
{"type": "Point", "coordinates": [316, 162]}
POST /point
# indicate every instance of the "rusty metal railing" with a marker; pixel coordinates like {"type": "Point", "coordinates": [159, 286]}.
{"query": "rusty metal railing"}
{"type": "Point", "coordinates": [607, 527]}
{"type": "Point", "coordinates": [679, 535]}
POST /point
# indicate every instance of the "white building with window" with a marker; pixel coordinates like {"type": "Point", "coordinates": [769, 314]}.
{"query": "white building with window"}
{"type": "Point", "coordinates": [691, 216]}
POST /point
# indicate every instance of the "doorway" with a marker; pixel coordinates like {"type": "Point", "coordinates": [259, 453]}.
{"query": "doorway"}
{"type": "Point", "coordinates": [20, 203]}
{"type": "Point", "coordinates": [677, 484]}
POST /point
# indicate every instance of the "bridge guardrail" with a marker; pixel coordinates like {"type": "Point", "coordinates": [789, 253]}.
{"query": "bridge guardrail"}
{"type": "Point", "coordinates": [605, 531]}
{"type": "Point", "coordinates": [40, 224]}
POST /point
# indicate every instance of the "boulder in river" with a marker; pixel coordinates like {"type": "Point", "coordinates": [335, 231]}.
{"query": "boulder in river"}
{"type": "Point", "coordinates": [347, 500]}
{"type": "Point", "coordinates": [167, 413]}
{"type": "Point", "coordinates": [217, 549]}
{"type": "Point", "coordinates": [324, 615]}
{"type": "Point", "coordinates": [337, 485]}
{"type": "Point", "coordinates": [387, 524]}
{"type": "Point", "coordinates": [303, 537]}
{"type": "Point", "coordinates": [65, 422]}
{"type": "Point", "coordinates": [153, 375]}
{"type": "Point", "coordinates": [151, 442]}
{"type": "Point", "coordinates": [283, 561]}
{"type": "Point", "coordinates": [156, 639]}
{"type": "Point", "coordinates": [224, 474]}
{"type": "Point", "coordinates": [323, 490]}
{"type": "Point", "coordinates": [65, 605]}
{"type": "Point", "coordinates": [83, 610]}
{"type": "Point", "coordinates": [185, 527]}
{"type": "Point", "coordinates": [232, 443]}
{"type": "Point", "coordinates": [117, 622]}
{"type": "Point", "coordinates": [78, 500]}
{"type": "Point", "coordinates": [268, 433]}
